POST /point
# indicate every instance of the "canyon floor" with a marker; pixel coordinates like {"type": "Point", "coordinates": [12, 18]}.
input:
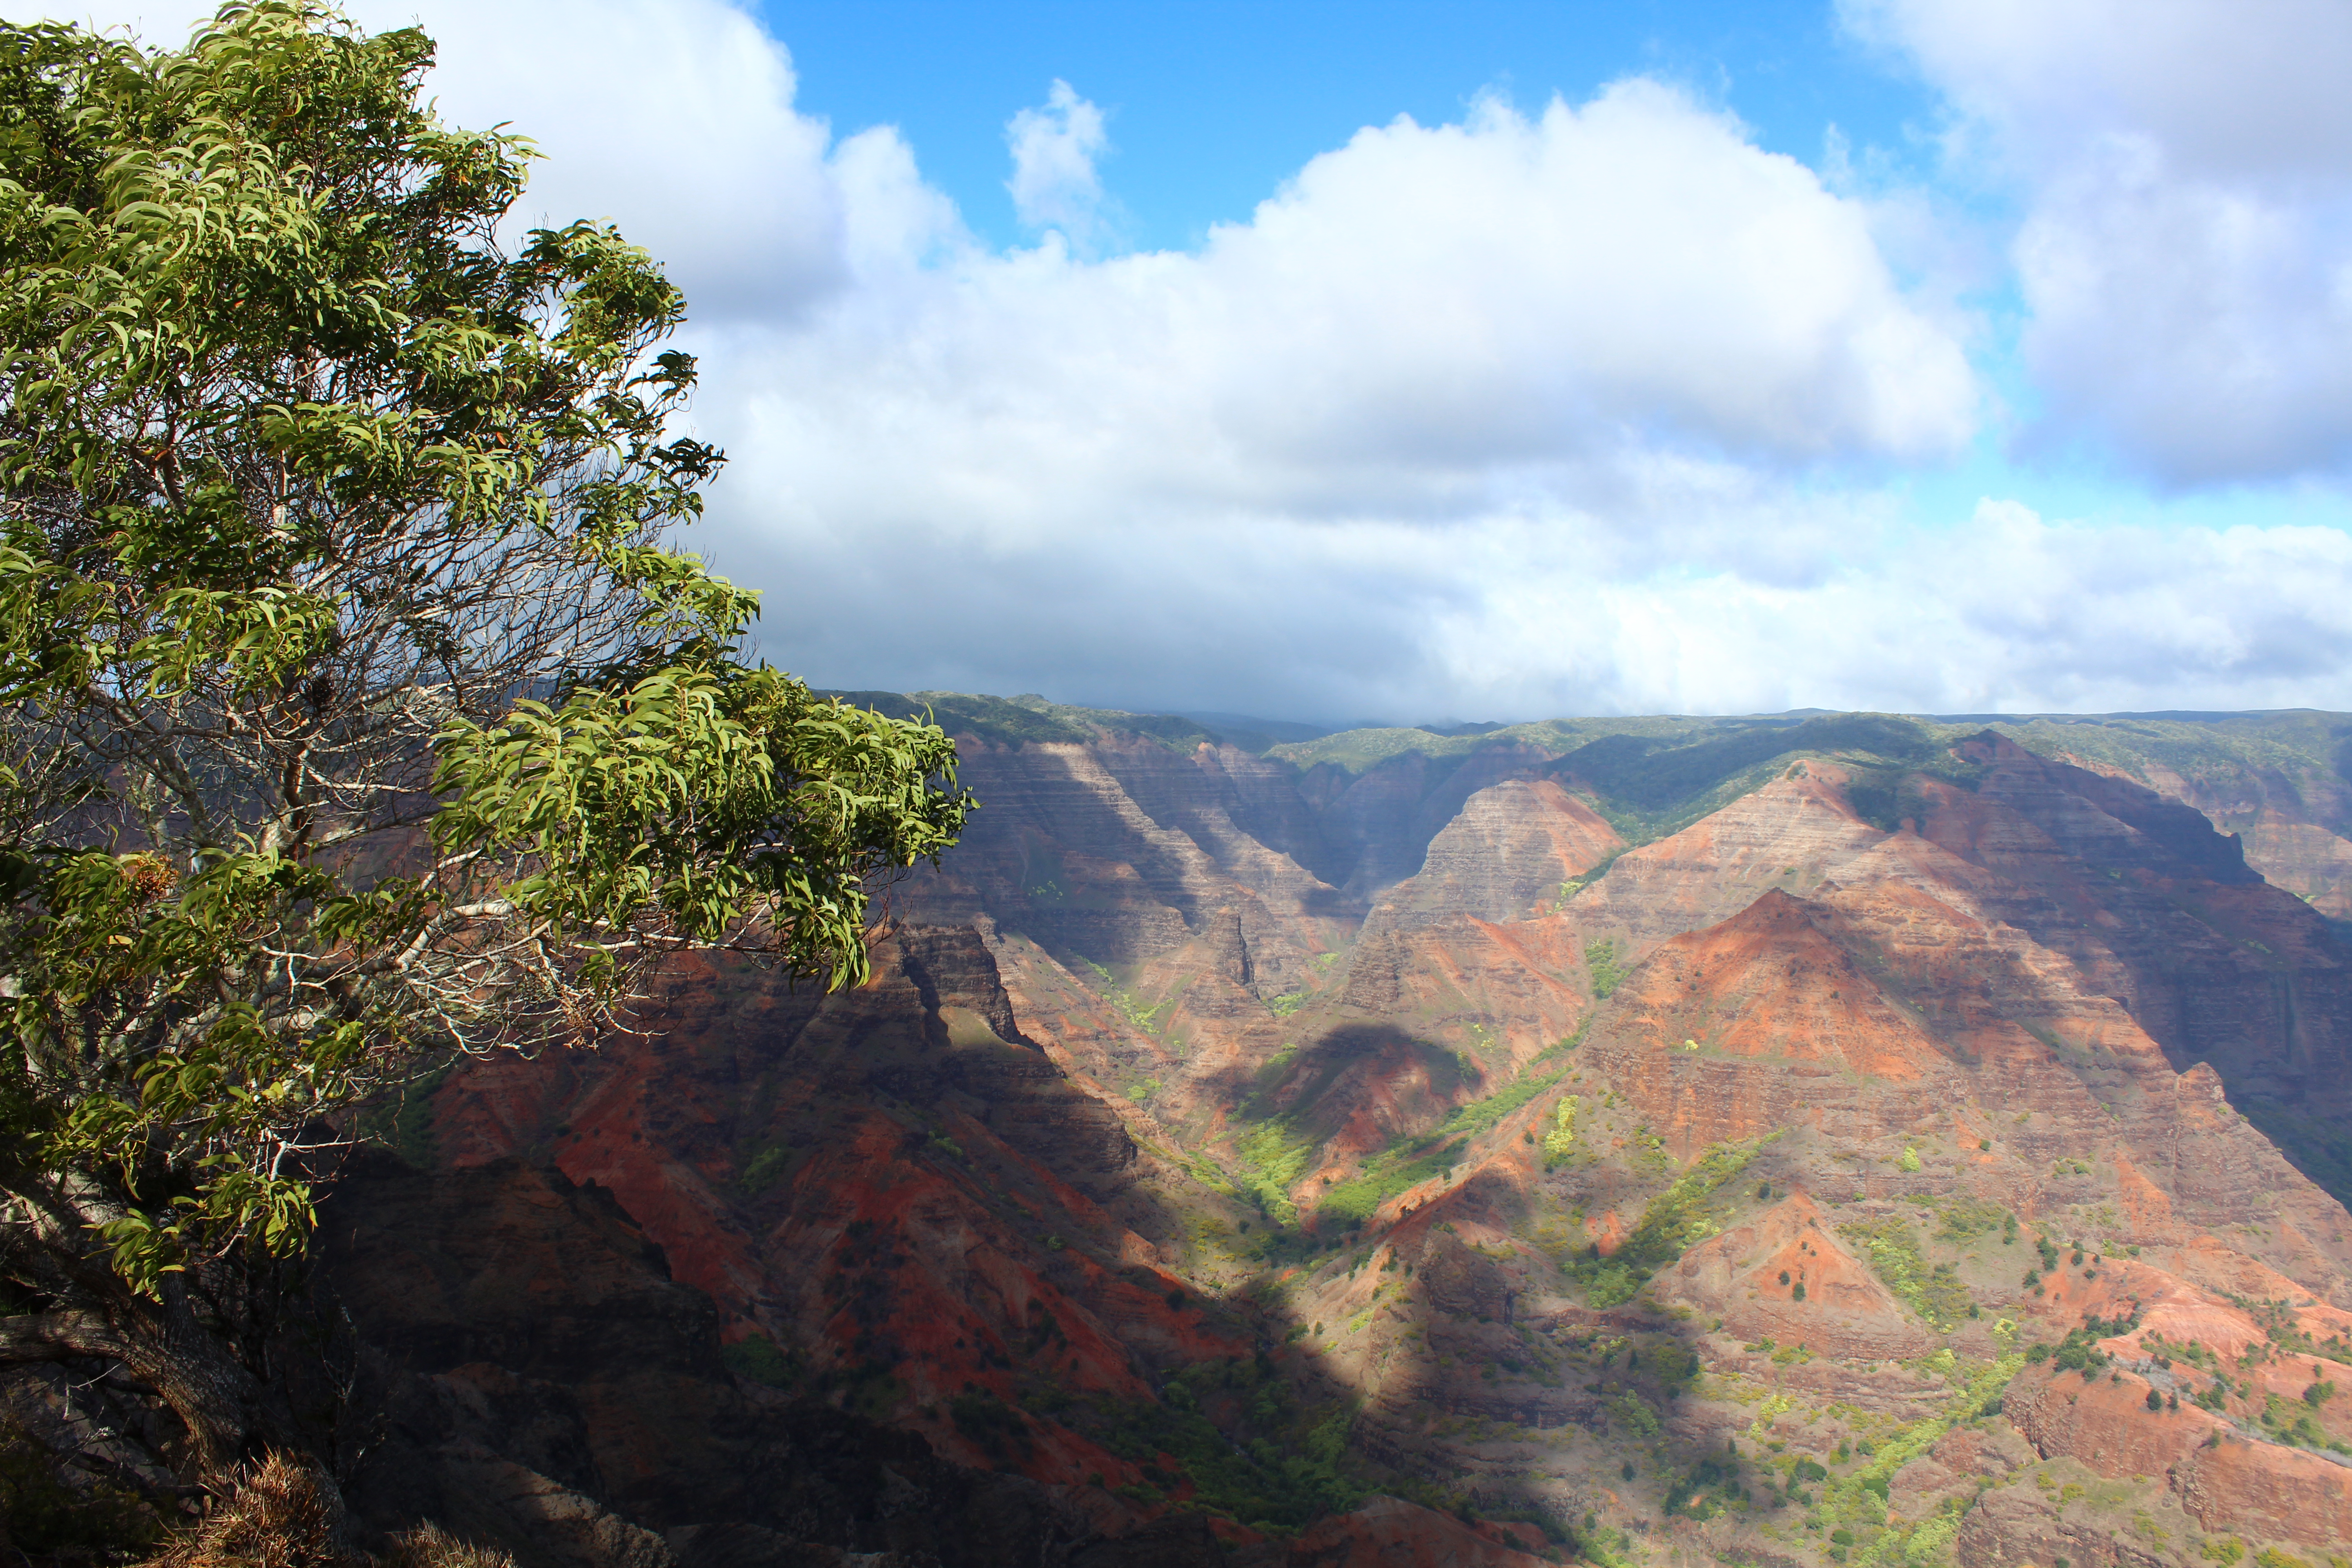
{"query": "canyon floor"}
{"type": "Point", "coordinates": [1827, 1139]}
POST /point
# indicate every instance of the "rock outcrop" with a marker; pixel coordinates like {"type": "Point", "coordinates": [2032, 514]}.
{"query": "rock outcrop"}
{"type": "Point", "coordinates": [1514, 848]}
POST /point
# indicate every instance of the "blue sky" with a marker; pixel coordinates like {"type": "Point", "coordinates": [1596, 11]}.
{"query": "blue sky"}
{"type": "Point", "coordinates": [1212, 106]}
{"type": "Point", "coordinates": [1491, 362]}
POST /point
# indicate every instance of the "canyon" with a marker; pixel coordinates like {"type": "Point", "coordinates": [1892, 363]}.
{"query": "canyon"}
{"type": "Point", "coordinates": [1823, 1137]}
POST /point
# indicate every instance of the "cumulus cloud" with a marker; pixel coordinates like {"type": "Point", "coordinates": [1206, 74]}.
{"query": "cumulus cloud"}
{"type": "Point", "coordinates": [1593, 408]}
{"type": "Point", "coordinates": [1424, 322]}
{"type": "Point", "coordinates": [1055, 184]}
{"type": "Point", "coordinates": [1617, 333]}
{"type": "Point", "coordinates": [2186, 253]}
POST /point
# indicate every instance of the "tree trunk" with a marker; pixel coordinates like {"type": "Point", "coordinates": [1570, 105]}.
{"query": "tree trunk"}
{"type": "Point", "coordinates": [236, 1422]}
{"type": "Point", "coordinates": [230, 1415]}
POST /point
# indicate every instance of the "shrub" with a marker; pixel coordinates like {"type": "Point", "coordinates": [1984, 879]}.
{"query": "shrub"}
{"type": "Point", "coordinates": [1934, 1292]}
{"type": "Point", "coordinates": [1600, 959]}
{"type": "Point", "coordinates": [1561, 1141]}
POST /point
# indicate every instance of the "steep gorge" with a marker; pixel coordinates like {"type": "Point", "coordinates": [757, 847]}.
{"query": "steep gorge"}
{"type": "Point", "coordinates": [1846, 1140]}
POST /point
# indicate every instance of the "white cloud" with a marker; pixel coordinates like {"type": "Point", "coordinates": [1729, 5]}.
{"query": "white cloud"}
{"type": "Point", "coordinates": [1574, 411]}
{"type": "Point", "coordinates": [1055, 184]}
{"type": "Point", "coordinates": [2186, 254]}
{"type": "Point", "coordinates": [2008, 613]}
{"type": "Point", "coordinates": [1506, 616]}
{"type": "Point", "coordinates": [1424, 319]}
{"type": "Point", "coordinates": [1618, 333]}
{"type": "Point", "coordinates": [2233, 88]}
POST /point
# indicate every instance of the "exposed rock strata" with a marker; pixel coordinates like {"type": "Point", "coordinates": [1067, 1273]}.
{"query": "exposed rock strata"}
{"type": "Point", "coordinates": [1028, 1175]}
{"type": "Point", "coordinates": [1515, 847]}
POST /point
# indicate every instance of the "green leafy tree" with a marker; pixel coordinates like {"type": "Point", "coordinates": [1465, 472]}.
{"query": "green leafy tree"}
{"type": "Point", "coordinates": [354, 706]}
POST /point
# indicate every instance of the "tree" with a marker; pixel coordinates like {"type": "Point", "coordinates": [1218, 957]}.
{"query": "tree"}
{"type": "Point", "coordinates": [355, 707]}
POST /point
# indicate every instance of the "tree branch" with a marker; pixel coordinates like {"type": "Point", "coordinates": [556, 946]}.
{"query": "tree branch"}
{"type": "Point", "coordinates": [59, 1336]}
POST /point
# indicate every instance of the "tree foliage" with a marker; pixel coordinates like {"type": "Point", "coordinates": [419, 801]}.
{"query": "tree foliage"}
{"type": "Point", "coordinates": [354, 704]}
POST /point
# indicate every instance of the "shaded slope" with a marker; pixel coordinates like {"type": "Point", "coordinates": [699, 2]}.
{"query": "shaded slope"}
{"type": "Point", "coordinates": [1502, 1182]}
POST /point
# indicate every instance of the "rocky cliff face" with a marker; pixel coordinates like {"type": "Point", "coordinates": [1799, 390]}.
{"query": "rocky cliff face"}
{"type": "Point", "coordinates": [800, 1276]}
{"type": "Point", "coordinates": [1907, 1157]}
{"type": "Point", "coordinates": [1514, 848]}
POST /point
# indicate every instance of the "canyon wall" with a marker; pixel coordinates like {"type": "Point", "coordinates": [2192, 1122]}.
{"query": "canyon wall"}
{"type": "Point", "coordinates": [1831, 1140]}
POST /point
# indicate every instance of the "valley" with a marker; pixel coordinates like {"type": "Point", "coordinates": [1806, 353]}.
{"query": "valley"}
{"type": "Point", "coordinates": [1829, 1138]}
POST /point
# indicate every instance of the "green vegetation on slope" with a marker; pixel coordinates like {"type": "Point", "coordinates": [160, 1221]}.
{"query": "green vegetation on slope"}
{"type": "Point", "coordinates": [1857, 1502]}
{"type": "Point", "coordinates": [1932, 1292]}
{"type": "Point", "coordinates": [1647, 789]}
{"type": "Point", "coordinates": [1271, 1156]}
{"type": "Point", "coordinates": [2227, 753]}
{"type": "Point", "coordinates": [1359, 751]}
{"type": "Point", "coordinates": [1601, 962]}
{"type": "Point", "coordinates": [1675, 1221]}
{"type": "Point", "coordinates": [1431, 1154]}
{"type": "Point", "coordinates": [1651, 777]}
{"type": "Point", "coordinates": [1644, 774]}
{"type": "Point", "coordinates": [1143, 1019]}
{"type": "Point", "coordinates": [1277, 1467]}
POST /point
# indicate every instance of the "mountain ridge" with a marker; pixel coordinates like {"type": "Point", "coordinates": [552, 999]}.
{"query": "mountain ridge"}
{"type": "Point", "coordinates": [1225, 1145]}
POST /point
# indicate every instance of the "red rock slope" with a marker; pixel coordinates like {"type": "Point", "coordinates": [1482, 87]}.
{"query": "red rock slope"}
{"type": "Point", "coordinates": [1503, 1198]}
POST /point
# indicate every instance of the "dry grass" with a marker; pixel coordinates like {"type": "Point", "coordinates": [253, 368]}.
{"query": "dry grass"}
{"type": "Point", "coordinates": [279, 1517]}
{"type": "Point", "coordinates": [430, 1546]}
